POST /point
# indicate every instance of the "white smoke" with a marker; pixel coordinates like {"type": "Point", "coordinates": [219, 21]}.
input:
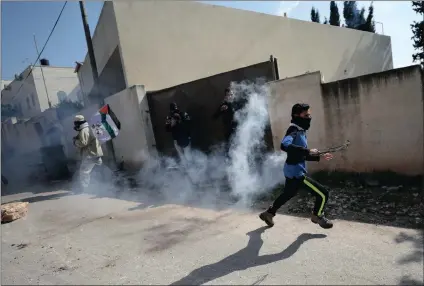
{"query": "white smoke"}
{"type": "Point", "coordinates": [214, 180]}
{"type": "Point", "coordinates": [243, 172]}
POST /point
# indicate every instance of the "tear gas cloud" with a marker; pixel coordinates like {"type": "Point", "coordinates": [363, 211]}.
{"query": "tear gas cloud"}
{"type": "Point", "coordinates": [209, 180]}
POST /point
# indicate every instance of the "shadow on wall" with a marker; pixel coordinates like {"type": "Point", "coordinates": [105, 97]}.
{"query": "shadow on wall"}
{"type": "Point", "coordinates": [200, 99]}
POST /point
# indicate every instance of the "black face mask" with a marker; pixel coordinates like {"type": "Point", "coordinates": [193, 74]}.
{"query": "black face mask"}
{"type": "Point", "coordinates": [303, 123]}
{"type": "Point", "coordinates": [77, 125]}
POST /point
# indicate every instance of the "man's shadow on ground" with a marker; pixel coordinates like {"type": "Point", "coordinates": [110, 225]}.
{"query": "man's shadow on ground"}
{"type": "Point", "coordinates": [244, 259]}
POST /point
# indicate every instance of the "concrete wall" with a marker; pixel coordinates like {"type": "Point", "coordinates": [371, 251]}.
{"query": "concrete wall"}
{"type": "Point", "coordinates": [21, 137]}
{"type": "Point", "coordinates": [111, 79]}
{"type": "Point", "coordinates": [200, 99]}
{"type": "Point", "coordinates": [381, 114]}
{"type": "Point", "coordinates": [166, 43]}
{"type": "Point", "coordinates": [58, 80]}
{"type": "Point", "coordinates": [135, 140]}
{"type": "Point", "coordinates": [20, 156]}
{"type": "Point", "coordinates": [284, 94]}
{"type": "Point", "coordinates": [105, 41]}
{"type": "Point", "coordinates": [22, 142]}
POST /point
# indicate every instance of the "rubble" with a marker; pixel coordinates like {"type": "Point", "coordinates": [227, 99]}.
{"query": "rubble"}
{"type": "Point", "coordinates": [372, 183]}
{"type": "Point", "coordinates": [394, 188]}
{"type": "Point", "coordinates": [13, 211]}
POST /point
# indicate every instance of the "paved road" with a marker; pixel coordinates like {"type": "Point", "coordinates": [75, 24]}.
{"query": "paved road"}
{"type": "Point", "coordinates": [77, 239]}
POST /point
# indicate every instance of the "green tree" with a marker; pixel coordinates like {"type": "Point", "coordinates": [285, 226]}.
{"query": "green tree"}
{"type": "Point", "coordinates": [315, 15]}
{"type": "Point", "coordinates": [334, 14]}
{"type": "Point", "coordinates": [369, 23]}
{"type": "Point", "coordinates": [418, 33]}
{"type": "Point", "coordinates": [349, 13]}
{"type": "Point", "coordinates": [355, 19]}
{"type": "Point", "coordinates": [360, 22]}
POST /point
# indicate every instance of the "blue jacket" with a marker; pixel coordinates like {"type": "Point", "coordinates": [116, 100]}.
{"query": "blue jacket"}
{"type": "Point", "coordinates": [295, 144]}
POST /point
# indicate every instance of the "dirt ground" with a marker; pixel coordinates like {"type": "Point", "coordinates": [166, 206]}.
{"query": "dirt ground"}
{"type": "Point", "coordinates": [370, 201]}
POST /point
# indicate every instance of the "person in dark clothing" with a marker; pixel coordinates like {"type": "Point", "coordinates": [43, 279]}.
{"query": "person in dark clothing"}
{"type": "Point", "coordinates": [295, 145]}
{"type": "Point", "coordinates": [226, 111]}
{"type": "Point", "coordinates": [4, 180]}
{"type": "Point", "coordinates": [178, 123]}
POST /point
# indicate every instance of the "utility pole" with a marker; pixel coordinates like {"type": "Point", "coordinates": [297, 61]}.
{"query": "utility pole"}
{"type": "Point", "coordinates": [89, 44]}
{"type": "Point", "coordinates": [109, 145]}
{"type": "Point", "coordinates": [42, 74]}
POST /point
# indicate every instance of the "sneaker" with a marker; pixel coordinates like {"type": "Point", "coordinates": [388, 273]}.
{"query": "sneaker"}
{"type": "Point", "coordinates": [267, 218]}
{"type": "Point", "coordinates": [322, 221]}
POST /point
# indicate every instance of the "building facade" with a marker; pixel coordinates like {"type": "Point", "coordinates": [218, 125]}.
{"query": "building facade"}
{"type": "Point", "coordinates": [33, 92]}
{"type": "Point", "coordinates": [164, 43]}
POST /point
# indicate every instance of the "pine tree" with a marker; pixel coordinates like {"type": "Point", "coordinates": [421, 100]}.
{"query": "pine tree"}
{"type": "Point", "coordinates": [360, 22]}
{"type": "Point", "coordinates": [418, 33]}
{"type": "Point", "coordinates": [318, 18]}
{"type": "Point", "coordinates": [314, 15]}
{"type": "Point", "coordinates": [334, 14]}
{"type": "Point", "coordinates": [349, 13]}
{"type": "Point", "coordinates": [369, 23]}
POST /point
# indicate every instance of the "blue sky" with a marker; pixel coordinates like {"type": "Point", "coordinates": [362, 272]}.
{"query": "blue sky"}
{"type": "Point", "coordinates": [20, 20]}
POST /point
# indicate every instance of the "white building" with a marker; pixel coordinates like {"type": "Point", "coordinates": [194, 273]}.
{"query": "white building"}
{"type": "Point", "coordinates": [164, 43]}
{"type": "Point", "coordinates": [31, 95]}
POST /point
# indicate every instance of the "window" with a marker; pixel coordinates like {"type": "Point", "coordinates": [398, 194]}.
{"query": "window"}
{"type": "Point", "coordinates": [33, 99]}
{"type": "Point", "coordinates": [27, 101]}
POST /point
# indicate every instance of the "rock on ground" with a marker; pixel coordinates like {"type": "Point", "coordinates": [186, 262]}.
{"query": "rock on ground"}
{"type": "Point", "coordinates": [13, 211]}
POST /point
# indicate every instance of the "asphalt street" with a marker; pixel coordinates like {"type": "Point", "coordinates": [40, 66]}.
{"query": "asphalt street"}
{"type": "Point", "coordinates": [79, 239]}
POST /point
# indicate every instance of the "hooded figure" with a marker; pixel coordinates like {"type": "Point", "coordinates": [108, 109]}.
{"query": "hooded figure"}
{"type": "Point", "coordinates": [90, 149]}
{"type": "Point", "coordinates": [295, 144]}
{"type": "Point", "coordinates": [226, 110]}
{"type": "Point", "coordinates": [178, 123]}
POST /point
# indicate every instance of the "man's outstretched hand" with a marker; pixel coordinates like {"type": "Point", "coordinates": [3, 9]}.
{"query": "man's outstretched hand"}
{"type": "Point", "coordinates": [327, 156]}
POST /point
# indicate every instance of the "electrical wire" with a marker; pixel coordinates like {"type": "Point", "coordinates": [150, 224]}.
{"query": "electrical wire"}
{"type": "Point", "coordinates": [45, 44]}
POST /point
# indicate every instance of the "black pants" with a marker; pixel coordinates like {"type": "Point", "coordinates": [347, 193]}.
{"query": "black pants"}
{"type": "Point", "coordinates": [292, 187]}
{"type": "Point", "coordinates": [229, 134]}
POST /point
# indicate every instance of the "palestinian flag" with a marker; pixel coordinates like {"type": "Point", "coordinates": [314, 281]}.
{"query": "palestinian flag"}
{"type": "Point", "coordinates": [105, 124]}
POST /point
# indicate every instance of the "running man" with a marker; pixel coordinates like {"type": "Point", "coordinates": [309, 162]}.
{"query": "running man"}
{"type": "Point", "coordinates": [295, 145]}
